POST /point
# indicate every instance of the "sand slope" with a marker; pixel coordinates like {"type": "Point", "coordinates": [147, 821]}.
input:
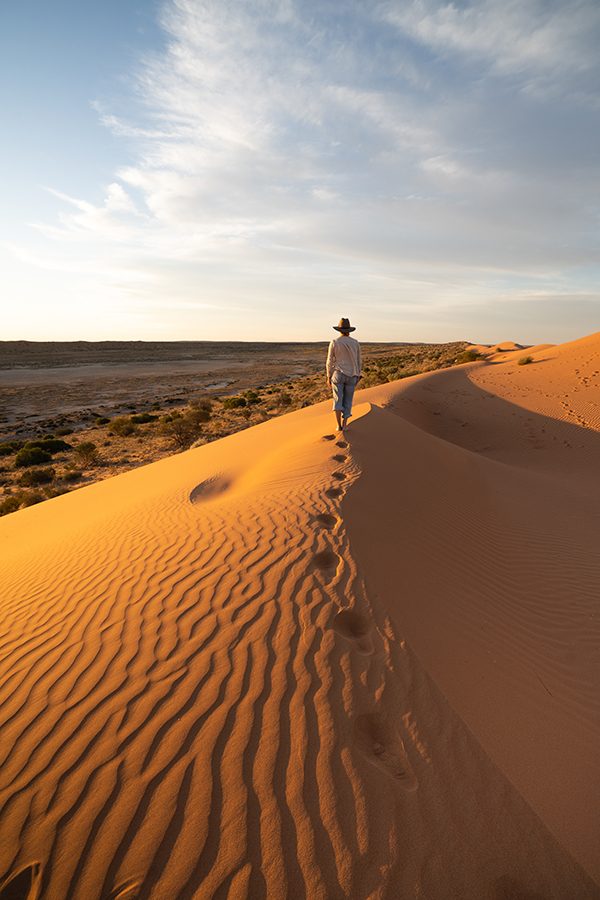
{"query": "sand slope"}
{"type": "Point", "coordinates": [282, 665]}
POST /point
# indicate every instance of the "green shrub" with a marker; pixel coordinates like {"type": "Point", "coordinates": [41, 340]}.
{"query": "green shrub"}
{"type": "Point", "coordinates": [525, 360]}
{"type": "Point", "coordinates": [468, 356]}
{"type": "Point", "coordinates": [37, 476]}
{"type": "Point", "coordinates": [73, 475]}
{"type": "Point", "coordinates": [284, 399]}
{"type": "Point", "coordinates": [64, 430]}
{"type": "Point", "coordinates": [122, 426]}
{"type": "Point", "coordinates": [102, 420]}
{"type": "Point", "coordinates": [9, 504]}
{"type": "Point", "coordinates": [184, 428]}
{"type": "Point", "coordinates": [233, 402]}
{"type": "Point", "coordinates": [50, 445]}
{"type": "Point", "coordinates": [142, 418]}
{"type": "Point", "coordinates": [8, 447]}
{"type": "Point", "coordinates": [28, 498]}
{"type": "Point", "coordinates": [87, 453]}
{"type": "Point", "coordinates": [32, 456]}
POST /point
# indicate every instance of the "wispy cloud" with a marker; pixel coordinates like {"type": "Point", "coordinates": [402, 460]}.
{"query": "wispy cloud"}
{"type": "Point", "coordinates": [421, 151]}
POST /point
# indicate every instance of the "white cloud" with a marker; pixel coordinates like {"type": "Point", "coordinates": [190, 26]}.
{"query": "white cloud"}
{"type": "Point", "coordinates": [305, 150]}
{"type": "Point", "coordinates": [546, 42]}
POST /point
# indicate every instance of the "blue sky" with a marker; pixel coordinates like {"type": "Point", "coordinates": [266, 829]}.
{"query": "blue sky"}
{"type": "Point", "coordinates": [255, 169]}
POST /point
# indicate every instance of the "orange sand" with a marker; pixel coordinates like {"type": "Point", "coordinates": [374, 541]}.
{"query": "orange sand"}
{"type": "Point", "coordinates": [284, 666]}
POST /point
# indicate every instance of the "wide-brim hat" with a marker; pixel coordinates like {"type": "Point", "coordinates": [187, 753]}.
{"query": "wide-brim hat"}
{"type": "Point", "coordinates": [344, 325]}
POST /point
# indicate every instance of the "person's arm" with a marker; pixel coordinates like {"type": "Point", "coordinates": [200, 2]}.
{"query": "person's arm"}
{"type": "Point", "coordinates": [330, 360]}
{"type": "Point", "coordinates": [359, 362]}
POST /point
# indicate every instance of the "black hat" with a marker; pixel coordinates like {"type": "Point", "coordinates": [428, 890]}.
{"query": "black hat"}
{"type": "Point", "coordinates": [344, 326]}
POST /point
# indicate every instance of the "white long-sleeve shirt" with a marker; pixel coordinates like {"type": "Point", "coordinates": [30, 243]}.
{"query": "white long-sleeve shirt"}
{"type": "Point", "coordinates": [344, 354]}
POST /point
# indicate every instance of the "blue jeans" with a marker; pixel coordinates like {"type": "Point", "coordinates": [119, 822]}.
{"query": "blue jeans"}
{"type": "Point", "coordinates": [343, 392]}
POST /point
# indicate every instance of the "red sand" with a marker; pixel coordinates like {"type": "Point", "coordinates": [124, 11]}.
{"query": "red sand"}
{"type": "Point", "coordinates": [281, 666]}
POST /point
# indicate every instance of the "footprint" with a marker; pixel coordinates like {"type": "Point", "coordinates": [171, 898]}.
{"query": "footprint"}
{"type": "Point", "coordinates": [333, 492]}
{"type": "Point", "coordinates": [329, 437]}
{"type": "Point", "coordinates": [340, 457]}
{"type": "Point", "coordinates": [326, 520]}
{"type": "Point", "coordinates": [355, 626]}
{"type": "Point", "coordinates": [326, 562]}
{"type": "Point", "coordinates": [342, 444]}
{"type": "Point", "coordinates": [378, 739]}
{"type": "Point", "coordinates": [339, 476]}
{"type": "Point", "coordinates": [25, 885]}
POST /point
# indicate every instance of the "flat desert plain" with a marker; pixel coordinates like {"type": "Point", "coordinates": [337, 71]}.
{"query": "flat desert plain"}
{"type": "Point", "coordinates": [294, 664]}
{"type": "Point", "coordinates": [47, 385]}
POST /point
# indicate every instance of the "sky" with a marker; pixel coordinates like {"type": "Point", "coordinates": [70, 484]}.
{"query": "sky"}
{"type": "Point", "coordinates": [257, 169]}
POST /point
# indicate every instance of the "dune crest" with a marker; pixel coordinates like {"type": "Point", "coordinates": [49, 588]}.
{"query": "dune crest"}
{"type": "Point", "coordinates": [209, 679]}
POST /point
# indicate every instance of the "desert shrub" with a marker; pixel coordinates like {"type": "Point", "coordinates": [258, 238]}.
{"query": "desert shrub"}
{"type": "Point", "coordinates": [102, 420]}
{"type": "Point", "coordinates": [467, 356]}
{"type": "Point", "coordinates": [184, 428]}
{"type": "Point", "coordinates": [32, 456]}
{"type": "Point", "coordinates": [49, 444]}
{"type": "Point", "coordinates": [202, 403]}
{"type": "Point", "coordinates": [284, 399]}
{"type": "Point", "coordinates": [9, 504]}
{"type": "Point", "coordinates": [73, 475]}
{"type": "Point", "coordinates": [233, 402]}
{"type": "Point", "coordinates": [87, 453]}
{"type": "Point", "coordinates": [143, 418]}
{"type": "Point", "coordinates": [525, 360]}
{"type": "Point", "coordinates": [28, 498]}
{"type": "Point", "coordinates": [56, 490]}
{"type": "Point", "coordinates": [37, 476]}
{"type": "Point", "coordinates": [8, 447]}
{"type": "Point", "coordinates": [19, 499]}
{"type": "Point", "coordinates": [122, 426]}
{"type": "Point", "coordinates": [64, 430]}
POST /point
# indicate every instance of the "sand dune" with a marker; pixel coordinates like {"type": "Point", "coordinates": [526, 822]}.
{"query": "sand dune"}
{"type": "Point", "coordinates": [287, 665]}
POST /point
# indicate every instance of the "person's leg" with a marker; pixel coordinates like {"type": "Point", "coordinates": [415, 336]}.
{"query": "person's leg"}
{"type": "Point", "coordinates": [349, 387]}
{"type": "Point", "coordinates": [337, 389]}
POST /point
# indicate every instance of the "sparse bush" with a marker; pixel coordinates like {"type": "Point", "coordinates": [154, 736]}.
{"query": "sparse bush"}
{"type": "Point", "coordinates": [102, 420]}
{"type": "Point", "coordinates": [233, 402]}
{"type": "Point", "coordinates": [143, 418]}
{"type": "Point", "coordinates": [18, 500]}
{"type": "Point", "coordinates": [64, 430]}
{"type": "Point", "coordinates": [184, 428]}
{"type": "Point", "coordinates": [525, 360]}
{"type": "Point", "coordinates": [202, 403]}
{"type": "Point", "coordinates": [73, 475]}
{"type": "Point", "coordinates": [49, 444]}
{"type": "Point", "coordinates": [37, 476]}
{"type": "Point", "coordinates": [468, 356]}
{"type": "Point", "coordinates": [9, 504]}
{"type": "Point", "coordinates": [122, 426]}
{"type": "Point", "coordinates": [55, 490]}
{"type": "Point", "coordinates": [32, 456]}
{"type": "Point", "coordinates": [284, 399]}
{"type": "Point", "coordinates": [28, 498]}
{"type": "Point", "coordinates": [8, 447]}
{"type": "Point", "coordinates": [87, 453]}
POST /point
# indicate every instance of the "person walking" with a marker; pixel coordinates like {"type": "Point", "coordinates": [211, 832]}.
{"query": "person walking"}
{"type": "Point", "coordinates": [344, 370]}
